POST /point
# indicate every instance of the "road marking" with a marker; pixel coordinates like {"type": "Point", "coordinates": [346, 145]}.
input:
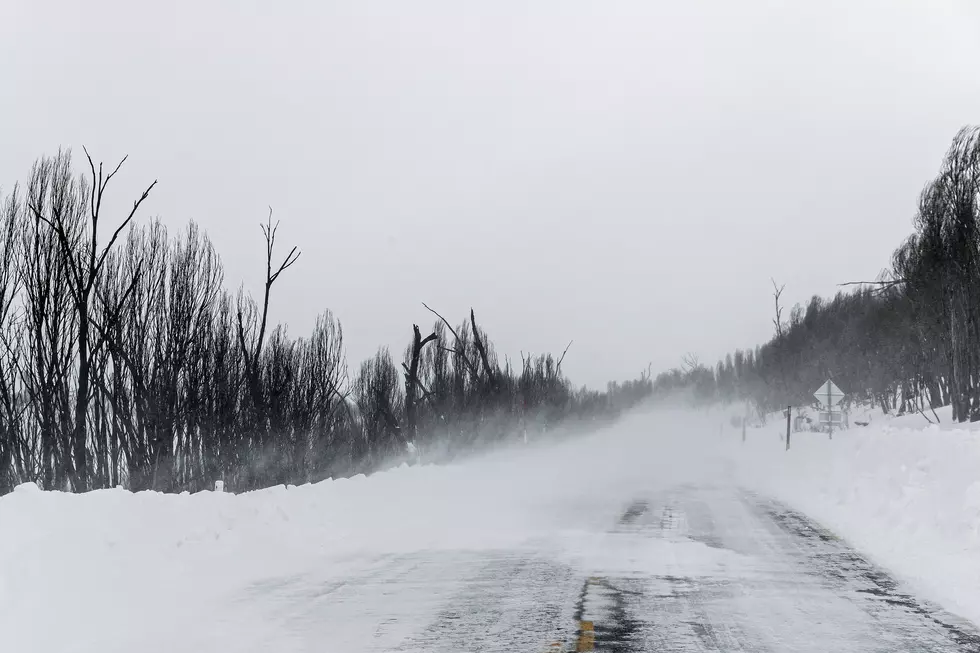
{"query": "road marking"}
{"type": "Point", "coordinates": [586, 636]}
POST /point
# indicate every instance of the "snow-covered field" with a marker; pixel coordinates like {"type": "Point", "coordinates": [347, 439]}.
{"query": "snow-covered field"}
{"type": "Point", "coordinates": [113, 571]}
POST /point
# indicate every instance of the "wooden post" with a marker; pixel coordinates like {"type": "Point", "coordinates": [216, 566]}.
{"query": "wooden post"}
{"type": "Point", "coordinates": [789, 416]}
{"type": "Point", "coordinates": [743, 429]}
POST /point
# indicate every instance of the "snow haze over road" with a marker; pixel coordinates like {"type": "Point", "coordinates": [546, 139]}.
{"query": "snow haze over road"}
{"type": "Point", "coordinates": [663, 532]}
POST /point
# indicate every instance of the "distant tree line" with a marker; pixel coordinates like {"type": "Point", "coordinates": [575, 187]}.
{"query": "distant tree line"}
{"type": "Point", "coordinates": [125, 361]}
{"type": "Point", "coordinates": [908, 342]}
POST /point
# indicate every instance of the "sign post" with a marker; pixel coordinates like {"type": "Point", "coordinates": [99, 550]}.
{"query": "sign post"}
{"type": "Point", "coordinates": [829, 395]}
{"type": "Point", "coordinates": [789, 414]}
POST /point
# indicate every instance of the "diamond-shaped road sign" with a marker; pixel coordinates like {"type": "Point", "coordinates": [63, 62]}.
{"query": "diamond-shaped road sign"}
{"type": "Point", "coordinates": [829, 394]}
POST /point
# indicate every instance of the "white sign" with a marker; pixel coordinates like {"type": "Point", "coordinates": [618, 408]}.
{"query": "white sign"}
{"type": "Point", "coordinates": [829, 394]}
{"type": "Point", "coordinates": [833, 416]}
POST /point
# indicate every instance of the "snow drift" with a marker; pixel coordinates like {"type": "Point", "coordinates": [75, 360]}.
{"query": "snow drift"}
{"type": "Point", "coordinates": [902, 490]}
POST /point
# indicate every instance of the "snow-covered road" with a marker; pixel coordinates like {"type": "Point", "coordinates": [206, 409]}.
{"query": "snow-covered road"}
{"type": "Point", "coordinates": [779, 583]}
{"type": "Point", "coordinates": [686, 569]}
{"type": "Point", "coordinates": [665, 533]}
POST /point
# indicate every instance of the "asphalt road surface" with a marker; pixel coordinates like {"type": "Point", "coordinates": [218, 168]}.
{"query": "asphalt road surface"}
{"type": "Point", "coordinates": [690, 569]}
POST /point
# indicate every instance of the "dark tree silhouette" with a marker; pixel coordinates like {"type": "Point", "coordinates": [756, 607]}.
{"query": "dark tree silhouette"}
{"type": "Point", "coordinates": [124, 361]}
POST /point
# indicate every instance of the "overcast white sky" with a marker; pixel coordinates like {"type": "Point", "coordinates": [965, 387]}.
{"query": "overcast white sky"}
{"type": "Point", "coordinates": [625, 174]}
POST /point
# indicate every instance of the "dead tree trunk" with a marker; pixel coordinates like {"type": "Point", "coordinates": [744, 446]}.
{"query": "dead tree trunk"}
{"type": "Point", "coordinates": [252, 354]}
{"type": "Point", "coordinates": [481, 348]}
{"type": "Point", "coordinates": [412, 381]}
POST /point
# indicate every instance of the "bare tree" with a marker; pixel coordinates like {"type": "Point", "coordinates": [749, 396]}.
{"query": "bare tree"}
{"type": "Point", "coordinates": [49, 319]}
{"type": "Point", "coordinates": [778, 320]}
{"type": "Point", "coordinates": [379, 403]}
{"type": "Point", "coordinates": [691, 362]}
{"type": "Point", "coordinates": [253, 350]}
{"type": "Point", "coordinates": [459, 343]}
{"type": "Point", "coordinates": [131, 365]}
{"type": "Point", "coordinates": [84, 259]}
{"type": "Point", "coordinates": [11, 452]}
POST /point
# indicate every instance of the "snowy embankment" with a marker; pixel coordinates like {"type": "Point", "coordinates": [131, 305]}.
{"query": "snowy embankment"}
{"type": "Point", "coordinates": [903, 491]}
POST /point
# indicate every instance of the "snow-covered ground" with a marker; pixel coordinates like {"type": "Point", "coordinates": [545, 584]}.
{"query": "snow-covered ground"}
{"type": "Point", "coordinates": [338, 565]}
{"type": "Point", "coordinates": [903, 490]}
{"type": "Point", "coordinates": [117, 571]}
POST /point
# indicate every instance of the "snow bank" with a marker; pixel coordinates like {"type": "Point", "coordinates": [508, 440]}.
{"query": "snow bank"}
{"type": "Point", "coordinates": [905, 492]}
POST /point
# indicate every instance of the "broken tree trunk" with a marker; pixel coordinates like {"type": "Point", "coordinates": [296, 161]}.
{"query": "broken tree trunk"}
{"type": "Point", "coordinates": [478, 341]}
{"type": "Point", "coordinates": [412, 383]}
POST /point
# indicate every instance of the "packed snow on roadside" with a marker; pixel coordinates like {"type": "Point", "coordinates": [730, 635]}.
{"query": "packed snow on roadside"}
{"type": "Point", "coordinates": [901, 489]}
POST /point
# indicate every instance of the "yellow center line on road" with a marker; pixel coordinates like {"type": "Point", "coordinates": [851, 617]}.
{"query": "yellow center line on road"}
{"type": "Point", "coordinates": [586, 629]}
{"type": "Point", "coordinates": [586, 637]}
